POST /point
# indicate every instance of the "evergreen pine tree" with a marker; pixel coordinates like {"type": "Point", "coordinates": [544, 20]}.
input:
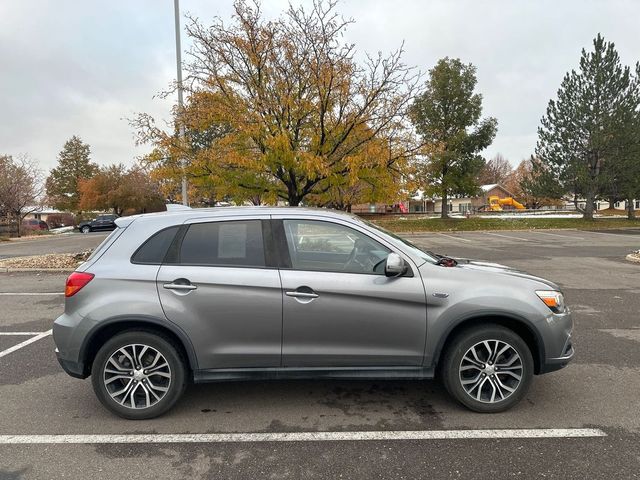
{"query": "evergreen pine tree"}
{"type": "Point", "coordinates": [74, 164]}
{"type": "Point", "coordinates": [579, 136]}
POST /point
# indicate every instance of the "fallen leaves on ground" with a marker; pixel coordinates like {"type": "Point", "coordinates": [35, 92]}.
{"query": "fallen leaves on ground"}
{"type": "Point", "coordinates": [48, 261]}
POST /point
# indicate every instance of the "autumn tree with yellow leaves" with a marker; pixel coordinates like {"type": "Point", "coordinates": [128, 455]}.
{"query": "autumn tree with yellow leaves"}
{"type": "Point", "coordinates": [281, 109]}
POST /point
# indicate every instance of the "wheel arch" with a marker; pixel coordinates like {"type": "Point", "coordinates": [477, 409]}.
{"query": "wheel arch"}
{"type": "Point", "coordinates": [108, 328]}
{"type": "Point", "coordinates": [520, 326]}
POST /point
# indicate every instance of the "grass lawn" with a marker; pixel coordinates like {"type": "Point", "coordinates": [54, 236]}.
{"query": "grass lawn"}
{"type": "Point", "coordinates": [525, 223]}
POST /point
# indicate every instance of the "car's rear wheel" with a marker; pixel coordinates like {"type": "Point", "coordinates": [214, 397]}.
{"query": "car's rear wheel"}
{"type": "Point", "coordinates": [138, 375]}
{"type": "Point", "coordinates": [488, 368]}
{"type": "Point", "coordinates": [85, 229]}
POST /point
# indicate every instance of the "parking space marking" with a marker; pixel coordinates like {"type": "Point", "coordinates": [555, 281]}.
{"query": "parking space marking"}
{"type": "Point", "coordinates": [455, 238]}
{"type": "Point", "coordinates": [20, 333]}
{"type": "Point", "coordinates": [520, 239]}
{"type": "Point", "coordinates": [614, 234]}
{"type": "Point", "coordinates": [23, 294]}
{"type": "Point", "coordinates": [570, 237]}
{"type": "Point", "coordinates": [303, 436]}
{"type": "Point", "coordinates": [39, 336]}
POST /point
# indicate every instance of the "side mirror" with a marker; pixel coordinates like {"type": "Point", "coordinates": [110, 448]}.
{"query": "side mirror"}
{"type": "Point", "coordinates": [394, 266]}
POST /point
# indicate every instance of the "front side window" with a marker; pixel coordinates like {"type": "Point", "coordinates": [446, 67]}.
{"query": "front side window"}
{"type": "Point", "coordinates": [233, 243]}
{"type": "Point", "coordinates": [330, 247]}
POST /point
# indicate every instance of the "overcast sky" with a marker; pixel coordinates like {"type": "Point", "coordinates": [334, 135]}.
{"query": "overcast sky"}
{"type": "Point", "coordinates": [83, 67]}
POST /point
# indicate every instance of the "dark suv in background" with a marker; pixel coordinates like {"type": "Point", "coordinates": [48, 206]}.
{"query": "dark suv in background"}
{"type": "Point", "coordinates": [101, 223]}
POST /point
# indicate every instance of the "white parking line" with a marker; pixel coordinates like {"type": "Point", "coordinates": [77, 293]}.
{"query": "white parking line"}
{"type": "Point", "coordinates": [615, 234]}
{"type": "Point", "coordinates": [570, 237]}
{"type": "Point", "coordinates": [455, 238]}
{"type": "Point", "coordinates": [20, 333]}
{"type": "Point", "coordinates": [30, 293]}
{"type": "Point", "coordinates": [25, 343]}
{"type": "Point", "coordinates": [520, 239]}
{"type": "Point", "coordinates": [304, 436]}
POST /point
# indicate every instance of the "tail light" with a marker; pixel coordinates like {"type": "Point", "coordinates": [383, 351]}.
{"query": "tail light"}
{"type": "Point", "coordinates": [75, 282]}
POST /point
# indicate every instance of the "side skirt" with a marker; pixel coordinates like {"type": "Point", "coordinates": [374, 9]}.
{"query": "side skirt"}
{"type": "Point", "coordinates": [288, 373]}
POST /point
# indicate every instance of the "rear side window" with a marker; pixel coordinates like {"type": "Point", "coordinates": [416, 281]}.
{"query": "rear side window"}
{"type": "Point", "coordinates": [155, 248]}
{"type": "Point", "coordinates": [234, 243]}
{"type": "Point", "coordinates": [106, 243]}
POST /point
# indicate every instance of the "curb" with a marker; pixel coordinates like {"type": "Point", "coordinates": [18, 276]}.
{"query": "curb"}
{"type": "Point", "coordinates": [633, 258]}
{"type": "Point", "coordinates": [519, 230]}
{"type": "Point", "coordinates": [41, 270]}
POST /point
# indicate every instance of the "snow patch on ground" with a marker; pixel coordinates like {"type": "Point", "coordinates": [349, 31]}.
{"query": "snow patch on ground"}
{"type": "Point", "coordinates": [62, 230]}
{"type": "Point", "coordinates": [531, 214]}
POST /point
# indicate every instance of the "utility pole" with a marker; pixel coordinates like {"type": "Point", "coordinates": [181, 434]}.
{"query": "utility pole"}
{"type": "Point", "coordinates": [176, 8]}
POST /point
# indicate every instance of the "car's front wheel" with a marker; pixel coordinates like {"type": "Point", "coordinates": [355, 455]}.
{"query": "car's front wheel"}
{"type": "Point", "coordinates": [138, 375]}
{"type": "Point", "coordinates": [487, 368]}
{"type": "Point", "coordinates": [85, 229]}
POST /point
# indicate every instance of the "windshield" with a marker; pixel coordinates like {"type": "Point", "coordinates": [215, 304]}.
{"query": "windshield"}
{"type": "Point", "coordinates": [426, 255]}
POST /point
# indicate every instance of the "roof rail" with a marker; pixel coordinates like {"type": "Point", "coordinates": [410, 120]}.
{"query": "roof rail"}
{"type": "Point", "coordinates": [176, 207]}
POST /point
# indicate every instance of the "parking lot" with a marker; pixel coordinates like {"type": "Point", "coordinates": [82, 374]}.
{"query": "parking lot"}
{"type": "Point", "coordinates": [586, 417]}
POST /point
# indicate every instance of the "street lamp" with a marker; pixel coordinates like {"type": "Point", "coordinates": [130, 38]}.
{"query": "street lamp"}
{"type": "Point", "coordinates": [176, 8]}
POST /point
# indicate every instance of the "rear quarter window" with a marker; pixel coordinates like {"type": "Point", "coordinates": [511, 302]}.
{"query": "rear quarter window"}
{"type": "Point", "coordinates": [106, 243]}
{"type": "Point", "coordinates": [154, 249]}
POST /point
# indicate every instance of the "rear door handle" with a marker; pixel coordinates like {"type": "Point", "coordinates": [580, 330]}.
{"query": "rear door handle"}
{"type": "Point", "coordinates": [179, 286]}
{"type": "Point", "coordinates": [301, 294]}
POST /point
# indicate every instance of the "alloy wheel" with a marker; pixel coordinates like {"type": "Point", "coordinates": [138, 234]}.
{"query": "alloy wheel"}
{"type": "Point", "coordinates": [137, 376]}
{"type": "Point", "coordinates": [491, 371]}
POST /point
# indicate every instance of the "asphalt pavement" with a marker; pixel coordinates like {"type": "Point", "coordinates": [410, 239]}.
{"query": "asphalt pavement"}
{"type": "Point", "coordinates": [598, 390]}
{"type": "Point", "coordinates": [62, 243]}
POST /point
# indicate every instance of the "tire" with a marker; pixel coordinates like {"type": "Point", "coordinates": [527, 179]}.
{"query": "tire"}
{"type": "Point", "coordinates": [477, 380]}
{"type": "Point", "coordinates": [141, 396]}
{"type": "Point", "coordinates": [85, 229]}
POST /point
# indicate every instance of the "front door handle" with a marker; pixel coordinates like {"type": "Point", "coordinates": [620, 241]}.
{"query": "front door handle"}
{"type": "Point", "coordinates": [301, 294]}
{"type": "Point", "coordinates": [179, 286]}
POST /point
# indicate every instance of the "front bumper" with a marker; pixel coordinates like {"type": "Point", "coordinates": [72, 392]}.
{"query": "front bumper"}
{"type": "Point", "coordinates": [557, 337]}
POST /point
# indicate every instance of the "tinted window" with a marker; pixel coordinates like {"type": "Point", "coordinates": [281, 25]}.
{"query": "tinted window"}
{"type": "Point", "coordinates": [224, 243]}
{"type": "Point", "coordinates": [112, 237]}
{"type": "Point", "coordinates": [155, 248]}
{"type": "Point", "coordinates": [330, 247]}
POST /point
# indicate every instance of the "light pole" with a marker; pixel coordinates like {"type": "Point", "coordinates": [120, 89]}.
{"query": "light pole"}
{"type": "Point", "coordinates": [176, 8]}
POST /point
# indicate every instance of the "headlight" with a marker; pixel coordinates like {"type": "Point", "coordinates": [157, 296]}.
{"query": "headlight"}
{"type": "Point", "coordinates": [552, 299]}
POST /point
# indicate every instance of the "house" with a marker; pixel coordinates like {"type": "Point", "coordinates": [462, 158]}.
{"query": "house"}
{"type": "Point", "coordinates": [600, 204]}
{"type": "Point", "coordinates": [461, 205]}
{"type": "Point", "coordinates": [54, 218]}
{"type": "Point", "coordinates": [41, 213]}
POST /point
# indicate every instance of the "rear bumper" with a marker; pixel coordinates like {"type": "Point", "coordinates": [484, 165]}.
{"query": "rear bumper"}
{"type": "Point", "coordinates": [66, 335]}
{"type": "Point", "coordinates": [75, 369]}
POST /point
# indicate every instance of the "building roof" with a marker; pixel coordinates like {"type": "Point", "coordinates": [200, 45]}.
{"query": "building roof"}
{"type": "Point", "coordinates": [40, 209]}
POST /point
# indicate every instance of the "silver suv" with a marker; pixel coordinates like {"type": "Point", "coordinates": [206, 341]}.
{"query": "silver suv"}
{"type": "Point", "coordinates": [284, 293]}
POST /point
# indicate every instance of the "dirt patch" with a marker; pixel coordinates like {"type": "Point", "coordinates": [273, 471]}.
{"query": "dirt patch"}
{"type": "Point", "coordinates": [49, 261]}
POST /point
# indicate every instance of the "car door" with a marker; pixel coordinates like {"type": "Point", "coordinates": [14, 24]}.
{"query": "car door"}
{"type": "Point", "coordinates": [339, 309]}
{"type": "Point", "coordinates": [222, 290]}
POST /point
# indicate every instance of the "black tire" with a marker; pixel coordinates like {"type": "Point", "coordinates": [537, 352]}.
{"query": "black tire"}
{"type": "Point", "coordinates": [452, 362]}
{"type": "Point", "coordinates": [85, 229]}
{"type": "Point", "coordinates": [175, 385]}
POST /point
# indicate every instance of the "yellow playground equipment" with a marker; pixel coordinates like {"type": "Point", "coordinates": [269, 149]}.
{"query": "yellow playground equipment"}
{"type": "Point", "coordinates": [496, 203]}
